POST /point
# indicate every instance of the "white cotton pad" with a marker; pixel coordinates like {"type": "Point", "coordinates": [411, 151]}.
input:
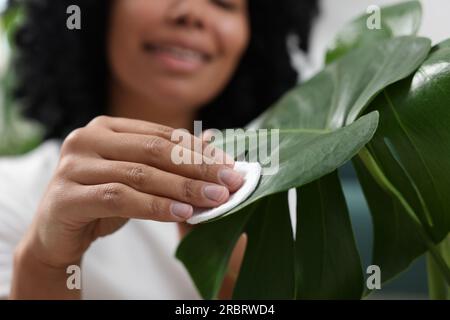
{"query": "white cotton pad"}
{"type": "Point", "coordinates": [251, 173]}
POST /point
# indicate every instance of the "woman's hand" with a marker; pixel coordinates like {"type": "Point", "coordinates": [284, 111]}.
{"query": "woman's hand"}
{"type": "Point", "coordinates": [110, 171]}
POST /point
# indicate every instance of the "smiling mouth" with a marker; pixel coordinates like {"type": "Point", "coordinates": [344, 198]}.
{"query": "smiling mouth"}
{"type": "Point", "coordinates": [177, 58]}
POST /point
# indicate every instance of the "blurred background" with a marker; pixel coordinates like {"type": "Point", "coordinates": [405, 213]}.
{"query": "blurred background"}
{"type": "Point", "coordinates": [335, 14]}
{"type": "Point", "coordinates": [18, 136]}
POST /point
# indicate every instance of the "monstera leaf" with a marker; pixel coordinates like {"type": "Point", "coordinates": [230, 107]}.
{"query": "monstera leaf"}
{"type": "Point", "coordinates": [314, 142]}
{"type": "Point", "coordinates": [398, 20]}
{"type": "Point", "coordinates": [410, 214]}
{"type": "Point", "coordinates": [304, 156]}
{"type": "Point", "coordinates": [328, 263]}
{"type": "Point", "coordinates": [404, 170]}
{"type": "Point", "coordinates": [338, 94]}
{"type": "Point", "coordinates": [412, 150]}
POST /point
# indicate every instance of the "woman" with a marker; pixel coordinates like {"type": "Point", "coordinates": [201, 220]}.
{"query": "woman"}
{"type": "Point", "coordinates": [97, 199]}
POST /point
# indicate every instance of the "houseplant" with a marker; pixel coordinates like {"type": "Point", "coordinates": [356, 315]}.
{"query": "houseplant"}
{"type": "Point", "coordinates": [383, 103]}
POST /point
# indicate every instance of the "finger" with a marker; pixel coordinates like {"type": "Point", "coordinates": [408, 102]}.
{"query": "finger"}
{"type": "Point", "coordinates": [178, 136]}
{"type": "Point", "coordinates": [209, 136]}
{"type": "Point", "coordinates": [151, 181]}
{"type": "Point", "coordinates": [164, 155]}
{"type": "Point", "coordinates": [120, 201]}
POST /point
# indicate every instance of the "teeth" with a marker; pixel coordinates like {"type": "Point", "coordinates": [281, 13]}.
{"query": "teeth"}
{"type": "Point", "coordinates": [182, 53]}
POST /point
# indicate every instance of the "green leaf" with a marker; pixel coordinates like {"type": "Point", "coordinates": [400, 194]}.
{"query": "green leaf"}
{"type": "Point", "coordinates": [415, 133]}
{"type": "Point", "coordinates": [437, 286]}
{"type": "Point", "coordinates": [206, 250]}
{"type": "Point", "coordinates": [396, 240]}
{"type": "Point", "coordinates": [10, 19]}
{"type": "Point", "coordinates": [328, 261]}
{"type": "Point", "coordinates": [313, 144]}
{"type": "Point", "coordinates": [398, 20]}
{"type": "Point", "coordinates": [17, 135]}
{"type": "Point", "coordinates": [412, 148]}
{"type": "Point", "coordinates": [339, 94]}
{"type": "Point", "coordinates": [444, 44]}
{"type": "Point", "coordinates": [322, 152]}
{"type": "Point", "coordinates": [267, 271]}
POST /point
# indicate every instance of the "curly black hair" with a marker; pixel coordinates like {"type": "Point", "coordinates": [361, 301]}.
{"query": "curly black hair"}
{"type": "Point", "coordinates": [61, 75]}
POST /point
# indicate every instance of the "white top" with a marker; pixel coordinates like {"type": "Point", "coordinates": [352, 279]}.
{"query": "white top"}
{"type": "Point", "coordinates": [136, 262]}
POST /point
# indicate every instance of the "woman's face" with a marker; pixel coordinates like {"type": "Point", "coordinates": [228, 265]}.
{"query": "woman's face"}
{"type": "Point", "coordinates": [176, 53]}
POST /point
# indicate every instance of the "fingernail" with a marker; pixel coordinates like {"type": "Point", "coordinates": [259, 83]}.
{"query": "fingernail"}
{"type": "Point", "coordinates": [215, 193]}
{"type": "Point", "coordinates": [231, 178]}
{"type": "Point", "coordinates": [181, 210]}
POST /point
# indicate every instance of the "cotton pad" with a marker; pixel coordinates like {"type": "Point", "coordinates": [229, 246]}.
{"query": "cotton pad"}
{"type": "Point", "coordinates": [251, 173]}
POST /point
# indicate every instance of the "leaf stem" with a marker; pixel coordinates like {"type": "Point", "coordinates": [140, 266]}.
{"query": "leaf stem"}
{"type": "Point", "coordinates": [437, 287]}
{"type": "Point", "coordinates": [379, 176]}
